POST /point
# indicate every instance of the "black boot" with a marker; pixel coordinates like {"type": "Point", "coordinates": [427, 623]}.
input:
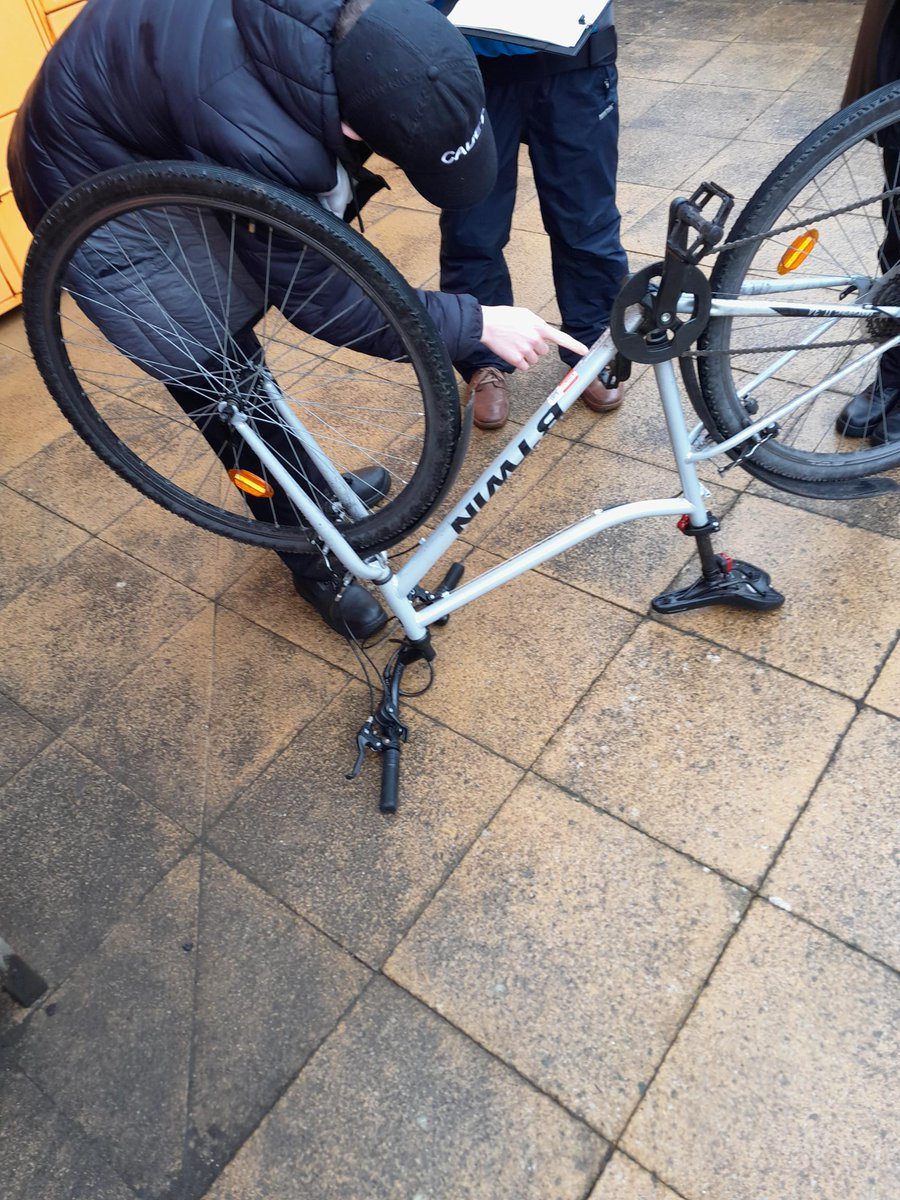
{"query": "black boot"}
{"type": "Point", "coordinates": [350, 611]}
{"type": "Point", "coordinates": [866, 412]}
{"type": "Point", "coordinates": [887, 430]}
{"type": "Point", "coordinates": [371, 484]}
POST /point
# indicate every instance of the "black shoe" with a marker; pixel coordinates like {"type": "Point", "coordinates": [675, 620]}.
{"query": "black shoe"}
{"type": "Point", "coordinates": [371, 484]}
{"type": "Point", "coordinates": [351, 612]}
{"type": "Point", "coordinates": [862, 415]}
{"type": "Point", "coordinates": [887, 430]}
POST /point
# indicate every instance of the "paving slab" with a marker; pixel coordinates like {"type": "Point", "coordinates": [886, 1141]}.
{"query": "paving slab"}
{"type": "Point", "coordinates": [640, 425]}
{"type": "Point", "coordinates": [45, 1154]}
{"type": "Point", "coordinates": [269, 989]}
{"type": "Point", "coordinates": [114, 1051]}
{"type": "Point", "coordinates": [201, 561]}
{"type": "Point", "coordinates": [627, 565]}
{"type": "Point", "coordinates": [31, 540]}
{"type": "Point", "coordinates": [195, 722]}
{"type": "Point", "coordinates": [879, 514]}
{"type": "Point", "coordinates": [21, 737]}
{"type": "Point", "coordinates": [571, 947]}
{"type": "Point", "coordinates": [509, 684]}
{"type": "Point", "coordinates": [782, 1082]}
{"type": "Point", "coordinates": [839, 867]}
{"type": "Point", "coordinates": [886, 692]}
{"type": "Point", "coordinates": [399, 1104]}
{"type": "Point", "coordinates": [79, 849]}
{"type": "Point", "coordinates": [67, 478]}
{"type": "Point", "coordinates": [86, 623]}
{"type": "Point", "coordinates": [31, 420]}
{"type": "Point", "coordinates": [766, 66]}
{"type": "Point", "coordinates": [206, 1001]}
{"type": "Point", "coordinates": [624, 1179]}
{"type": "Point", "coordinates": [319, 843]}
{"type": "Point", "coordinates": [814, 634]}
{"type": "Point", "coordinates": [711, 752]}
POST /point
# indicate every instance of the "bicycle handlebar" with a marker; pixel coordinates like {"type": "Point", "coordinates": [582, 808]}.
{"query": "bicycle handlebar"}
{"type": "Point", "coordinates": [390, 779]}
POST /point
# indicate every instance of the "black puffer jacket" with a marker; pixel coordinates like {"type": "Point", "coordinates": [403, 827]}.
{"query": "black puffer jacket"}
{"type": "Point", "coordinates": [239, 83]}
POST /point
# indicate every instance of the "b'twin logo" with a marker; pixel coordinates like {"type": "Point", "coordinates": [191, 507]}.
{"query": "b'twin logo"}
{"type": "Point", "coordinates": [452, 156]}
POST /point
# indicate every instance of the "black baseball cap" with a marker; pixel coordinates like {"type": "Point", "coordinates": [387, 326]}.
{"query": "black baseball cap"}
{"type": "Point", "coordinates": [409, 85]}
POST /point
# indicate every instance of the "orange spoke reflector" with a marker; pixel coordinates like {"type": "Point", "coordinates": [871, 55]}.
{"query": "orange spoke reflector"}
{"type": "Point", "coordinates": [250, 483]}
{"type": "Point", "coordinates": [798, 251]}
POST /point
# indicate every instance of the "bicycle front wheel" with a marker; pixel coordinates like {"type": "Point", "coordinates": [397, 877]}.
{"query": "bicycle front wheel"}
{"type": "Point", "coordinates": [162, 300]}
{"type": "Point", "coordinates": [822, 230]}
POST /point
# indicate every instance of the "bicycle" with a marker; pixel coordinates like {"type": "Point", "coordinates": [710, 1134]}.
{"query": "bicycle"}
{"type": "Point", "coordinates": [300, 420]}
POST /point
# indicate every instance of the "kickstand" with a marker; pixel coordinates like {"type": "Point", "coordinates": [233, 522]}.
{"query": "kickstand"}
{"type": "Point", "coordinates": [724, 580]}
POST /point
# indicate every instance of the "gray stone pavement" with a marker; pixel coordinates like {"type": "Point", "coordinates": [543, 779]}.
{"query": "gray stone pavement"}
{"type": "Point", "coordinates": [633, 934]}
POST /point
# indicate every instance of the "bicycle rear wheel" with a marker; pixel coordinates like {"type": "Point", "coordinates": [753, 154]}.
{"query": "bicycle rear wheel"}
{"type": "Point", "coordinates": [162, 298]}
{"type": "Point", "coordinates": [821, 230]}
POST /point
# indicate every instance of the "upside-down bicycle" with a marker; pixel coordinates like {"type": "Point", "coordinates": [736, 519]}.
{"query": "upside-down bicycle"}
{"type": "Point", "coordinates": [796, 316]}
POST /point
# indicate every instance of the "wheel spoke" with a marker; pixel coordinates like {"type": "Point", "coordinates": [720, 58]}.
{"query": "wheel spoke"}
{"type": "Point", "coordinates": [163, 323]}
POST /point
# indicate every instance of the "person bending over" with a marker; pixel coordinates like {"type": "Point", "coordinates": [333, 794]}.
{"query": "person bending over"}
{"type": "Point", "coordinates": [284, 90]}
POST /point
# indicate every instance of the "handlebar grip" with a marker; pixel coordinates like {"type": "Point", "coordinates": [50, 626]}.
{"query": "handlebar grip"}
{"type": "Point", "coordinates": [390, 778]}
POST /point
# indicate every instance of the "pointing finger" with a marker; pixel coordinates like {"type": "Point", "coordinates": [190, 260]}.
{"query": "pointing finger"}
{"type": "Point", "coordinates": [563, 339]}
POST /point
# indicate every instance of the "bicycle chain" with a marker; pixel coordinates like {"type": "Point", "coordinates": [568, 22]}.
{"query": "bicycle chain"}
{"type": "Point", "coordinates": [779, 349]}
{"type": "Point", "coordinates": [772, 233]}
{"type": "Point", "coordinates": [804, 224]}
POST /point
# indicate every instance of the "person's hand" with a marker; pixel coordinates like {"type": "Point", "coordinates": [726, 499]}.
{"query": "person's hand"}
{"type": "Point", "coordinates": [520, 336]}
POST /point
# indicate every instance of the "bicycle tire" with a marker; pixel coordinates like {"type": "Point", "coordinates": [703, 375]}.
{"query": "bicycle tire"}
{"type": "Point", "coordinates": [838, 159]}
{"type": "Point", "coordinates": [123, 408]}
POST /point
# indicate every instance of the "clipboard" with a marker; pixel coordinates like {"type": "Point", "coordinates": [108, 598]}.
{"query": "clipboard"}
{"type": "Point", "coordinates": [559, 26]}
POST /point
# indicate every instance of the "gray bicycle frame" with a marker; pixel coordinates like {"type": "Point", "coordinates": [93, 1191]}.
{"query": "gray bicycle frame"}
{"type": "Point", "coordinates": [395, 587]}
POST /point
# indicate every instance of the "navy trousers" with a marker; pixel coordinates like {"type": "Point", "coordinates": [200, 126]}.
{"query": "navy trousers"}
{"type": "Point", "coordinates": [570, 123]}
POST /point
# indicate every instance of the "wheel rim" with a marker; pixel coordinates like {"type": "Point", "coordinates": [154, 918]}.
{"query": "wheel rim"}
{"type": "Point", "coordinates": [235, 259]}
{"type": "Point", "coordinates": [752, 365]}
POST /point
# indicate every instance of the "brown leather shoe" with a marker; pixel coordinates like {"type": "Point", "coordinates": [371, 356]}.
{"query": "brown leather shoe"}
{"type": "Point", "coordinates": [600, 399]}
{"type": "Point", "coordinates": [491, 398]}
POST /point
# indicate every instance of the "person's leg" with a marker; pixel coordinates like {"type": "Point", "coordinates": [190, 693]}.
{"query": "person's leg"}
{"type": "Point", "coordinates": [350, 610]}
{"type": "Point", "coordinates": [472, 245]}
{"type": "Point", "coordinates": [875, 411]}
{"type": "Point", "coordinates": [573, 134]}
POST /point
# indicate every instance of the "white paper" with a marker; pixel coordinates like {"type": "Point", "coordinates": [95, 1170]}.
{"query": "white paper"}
{"type": "Point", "coordinates": [560, 22]}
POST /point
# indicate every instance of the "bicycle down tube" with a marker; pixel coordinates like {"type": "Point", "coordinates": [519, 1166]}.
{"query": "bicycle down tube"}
{"type": "Point", "coordinates": [397, 587]}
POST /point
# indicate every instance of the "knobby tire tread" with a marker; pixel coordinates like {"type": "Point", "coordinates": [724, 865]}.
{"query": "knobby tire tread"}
{"type": "Point", "coordinates": [720, 406]}
{"type": "Point", "coordinates": [77, 212]}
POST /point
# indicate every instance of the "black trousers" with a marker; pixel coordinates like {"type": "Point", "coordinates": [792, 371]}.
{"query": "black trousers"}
{"type": "Point", "coordinates": [192, 395]}
{"type": "Point", "coordinates": [570, 123]}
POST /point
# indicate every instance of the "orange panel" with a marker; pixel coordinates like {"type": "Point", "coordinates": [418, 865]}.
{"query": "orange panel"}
{"type": "Point", "coordinates": [14, 234]}
{"type": "Point", "coordinates": [8, 298]}
{"type": "Point", "coordinates": [6, 124]}
{"type": "Point", "coordinates": [23, 52]}
{"type": "Point", "coordinates": [63, 18]}
{"type": "Point", "coordinates": [10, 281]}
